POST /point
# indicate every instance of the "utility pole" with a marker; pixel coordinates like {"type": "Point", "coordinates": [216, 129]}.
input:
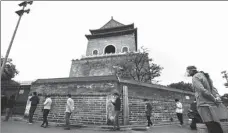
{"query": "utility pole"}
{"type": "Point", "coordinates": [20, 14]}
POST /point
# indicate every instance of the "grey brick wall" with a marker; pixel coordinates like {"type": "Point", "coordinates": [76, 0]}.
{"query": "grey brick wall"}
{"type": "Point", "coordinates": [90, 101]}
{"type": "Point", "coordinates": [117, 41]}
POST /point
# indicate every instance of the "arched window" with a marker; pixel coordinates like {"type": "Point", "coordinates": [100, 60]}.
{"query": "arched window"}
{"type": "Point", "coordinates": [125, 49]}
{"type": "Point", "coordinates": [95, 52]}
{"type": "Point", "coordinates": [110, 49]}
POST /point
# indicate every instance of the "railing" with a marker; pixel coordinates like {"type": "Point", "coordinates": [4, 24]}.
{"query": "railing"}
{"type": "Point", "coordinates": [108, 54]}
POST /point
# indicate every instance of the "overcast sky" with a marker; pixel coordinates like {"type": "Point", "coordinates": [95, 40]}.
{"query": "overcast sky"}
{"type": "Point", "coordinates": [177, 34]}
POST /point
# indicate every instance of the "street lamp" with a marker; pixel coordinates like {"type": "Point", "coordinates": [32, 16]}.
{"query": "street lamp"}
{"type": "Point", "coordinates": [19, 13]}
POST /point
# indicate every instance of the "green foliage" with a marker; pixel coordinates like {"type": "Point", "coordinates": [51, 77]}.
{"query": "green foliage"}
{"type": "Point", "coordinates": [10, 70]}
{"type": "Point", "coordinates": [139, 67]}
{"type": "Point", "coordinates": [225, 76]}
{"type": "Point", "coordinates": [182, 86]}
{"type": "Point", "coordinates": [225, 99]}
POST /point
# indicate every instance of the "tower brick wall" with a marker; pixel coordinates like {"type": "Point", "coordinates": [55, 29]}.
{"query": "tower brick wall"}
{"type": "Point", "coordinates": [117, 41]}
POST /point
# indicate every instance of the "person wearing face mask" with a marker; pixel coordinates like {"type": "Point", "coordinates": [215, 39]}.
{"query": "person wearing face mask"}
{"type": "Point", "coordinates": [209, 104]}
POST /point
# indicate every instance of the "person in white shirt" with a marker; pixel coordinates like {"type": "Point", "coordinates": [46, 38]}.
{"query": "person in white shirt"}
{"type": "Point", "coordinates": [69, 110]}
{"type": "Point", "coordinates": [179, 111]}
{"type": "Point", "coordinates": [46, 110]}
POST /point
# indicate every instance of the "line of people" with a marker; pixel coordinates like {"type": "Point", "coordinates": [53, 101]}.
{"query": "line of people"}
{"type": "Point", "coordinates": [33, 101]}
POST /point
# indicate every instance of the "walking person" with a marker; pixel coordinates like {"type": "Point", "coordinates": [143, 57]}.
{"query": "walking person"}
{"type": "Point", "coordinates": [148, 111]}
{"type": "Point", "coordinates": [9, 107]}
{"type": "Point", "coordinates": [34, 101]}
{"type": "Point", "coordinates": [46, 110]}
{"type": "Point", "coordinates": [194, 115]}
{"type": "Point", "coordinates": [117, 106]}
{"type": "Point", "coordinates": [3, 102]}
{"type": "Point", "coordinates": [69, 110]}
{"type": "Point", "coordinates": [179, 111]}
{"type": "Point", "coordinates": [209, 104]}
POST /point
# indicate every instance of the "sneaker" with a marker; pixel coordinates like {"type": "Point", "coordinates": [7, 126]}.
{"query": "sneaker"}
{"type": "Point", "coordinates": [42, 125]}
{"type": "Point", "coordinates": [67, 128]}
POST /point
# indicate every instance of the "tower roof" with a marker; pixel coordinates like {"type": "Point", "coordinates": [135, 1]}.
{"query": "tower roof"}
{"type": "Point", "coordinates": [111, 24]}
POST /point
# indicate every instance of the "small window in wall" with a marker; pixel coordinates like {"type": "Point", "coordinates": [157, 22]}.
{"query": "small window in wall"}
{"type": "Point", "coordinates": [95, 52]}
{"type": "Point", "coordinates": [125, 49]}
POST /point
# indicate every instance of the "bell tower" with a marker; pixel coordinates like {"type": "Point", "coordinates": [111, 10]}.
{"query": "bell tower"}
{"type": "Point", "coordinates": [112, 38]}
{"type": "Point", "coordinates": [107, 46]}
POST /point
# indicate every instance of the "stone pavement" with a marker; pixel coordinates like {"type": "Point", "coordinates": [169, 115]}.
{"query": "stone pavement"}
{"type": "Point", "coordinates": [20, 126]}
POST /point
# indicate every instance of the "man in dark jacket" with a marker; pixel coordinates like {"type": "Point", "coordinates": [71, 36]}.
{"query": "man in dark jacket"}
{"type": "Point", "coordinates": [9, 107]}
{"type": "Point", "coordinates": [148, 111]}
{"type": "Point", "coordinates": [195, 115]}
{"type": "Point", "coordinates": [3, 102]}
{"type": "Point", "coordinates": [34, 101]}
{"type": "Point", "coordinates": [117, 105]}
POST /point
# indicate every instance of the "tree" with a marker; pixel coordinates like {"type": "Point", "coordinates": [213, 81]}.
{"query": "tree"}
{"type": "Point", "coordinates": [225, 76]}
{"type": "Point", "coordinates": [10, 70]}
{"type": "Point", "coordinates": [225, 99]}
{"type": "Point", "coordinates": [182, 86]}
{"type": "Point", "coordinates": [139, 67]}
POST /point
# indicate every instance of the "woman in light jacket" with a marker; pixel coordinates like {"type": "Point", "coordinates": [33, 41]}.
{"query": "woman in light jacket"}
{"type": "Point", "coordinates": [208, 100]}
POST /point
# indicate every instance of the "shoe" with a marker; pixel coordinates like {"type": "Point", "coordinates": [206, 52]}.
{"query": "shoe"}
{"type": "Point", "coordinates": [67, 128]}
{"type": "Point", "coordinates": [118, 129]}
{"type": "Point", "coordinates": [30, 123]}
{"type": "Point", "coordinates": [42, 125]}
{"type": "Point", "coordinates": [45, 126]}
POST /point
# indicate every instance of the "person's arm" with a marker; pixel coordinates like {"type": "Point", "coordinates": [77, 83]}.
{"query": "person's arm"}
{"type": "Point", "coordinates": [68, 104]}
{"type": "Point", "coordinates": [46, 101]}
{"type": "Point", "coordinates": [179, 106]}
{"type": "Point", "coordinates": [205, 93]}
{"type": "Point", "coordinates": [114, 103]}
{"type": "Point", "coordinates": [31, 98]}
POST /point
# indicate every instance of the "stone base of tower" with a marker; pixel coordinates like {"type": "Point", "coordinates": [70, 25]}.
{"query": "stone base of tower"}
{"type": "Point", "coordinates": [98, 65]}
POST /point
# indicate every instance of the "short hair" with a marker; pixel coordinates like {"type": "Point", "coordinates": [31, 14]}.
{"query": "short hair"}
{"type": "Point", "coordinates": [176, 100]}
{"type": "Point", "coordinates": [69, 95]}
{"type": "Point", "coordinates": [145, 99]}
{"type": "Point", "coordinates": [116, 93]}
{"type": "Point", "coordinates": [35, 93]}
{"type": "Point", "coordinates": [191, 68]}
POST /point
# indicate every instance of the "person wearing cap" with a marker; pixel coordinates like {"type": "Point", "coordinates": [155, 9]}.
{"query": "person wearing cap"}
{"type": "Point", "coordinates": [117, 105]}
{"type": "Point", "coordinates": [69, 110]}
{"type": "Point", "coordinates": [46, 110]}
{"type": "Point", "coordinates": [207, 99]}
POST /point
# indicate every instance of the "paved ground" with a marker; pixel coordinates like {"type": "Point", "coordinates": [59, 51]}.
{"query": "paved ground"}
{"type": "Point", "coordinates": [22, 127]}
